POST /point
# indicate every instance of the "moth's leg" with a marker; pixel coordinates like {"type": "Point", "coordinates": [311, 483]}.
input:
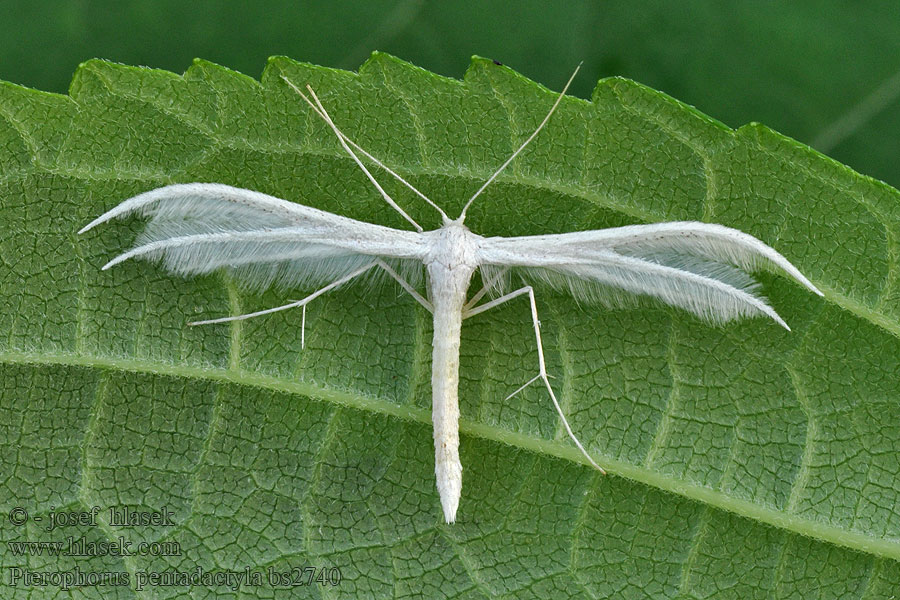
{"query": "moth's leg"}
{"type": "Point", "coordinates": [387, 268]}
{"type": "Point", "coordinates": [542, 365]}
{"type": "Point", "coordinates": [405, 285]}
{"type": "Point", "coordinates": [294, 303]}
{"type": "Point", "coordinates": [484, 290]}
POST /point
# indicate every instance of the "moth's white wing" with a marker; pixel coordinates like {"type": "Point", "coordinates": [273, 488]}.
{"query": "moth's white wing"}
{"type": "Point", "coordinates": [699, 267]}
{"type": "Point", "coordinates": [200, 227]}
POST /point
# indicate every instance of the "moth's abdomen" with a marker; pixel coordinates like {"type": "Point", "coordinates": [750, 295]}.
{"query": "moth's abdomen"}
{"type": "Point", "coordinates": [448, 296]}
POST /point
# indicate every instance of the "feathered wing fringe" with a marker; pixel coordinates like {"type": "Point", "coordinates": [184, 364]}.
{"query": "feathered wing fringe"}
{"type": "Point", "coordinates": [695, 266]}
{"type": "Point", "coordinates": [198, 228]}
{"type": "Point", "coordinates": [722, 295]}
{"type": "Point", "coordinates": [712, 242]}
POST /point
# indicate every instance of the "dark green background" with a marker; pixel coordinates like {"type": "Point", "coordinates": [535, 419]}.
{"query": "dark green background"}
{"type": "Point", "coordinates": [826, 73]}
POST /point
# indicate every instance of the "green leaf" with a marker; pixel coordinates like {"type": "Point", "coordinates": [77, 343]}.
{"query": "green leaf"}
{"type": "Point", "coordinates": [745, 461]}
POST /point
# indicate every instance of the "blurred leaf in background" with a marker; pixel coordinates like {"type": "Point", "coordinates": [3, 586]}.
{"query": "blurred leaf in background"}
{"type": "Point", "coordinates": [825, 73]}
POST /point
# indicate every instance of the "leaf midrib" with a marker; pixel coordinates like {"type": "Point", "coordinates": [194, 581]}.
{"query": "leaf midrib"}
{"type": "Point", "coordinates": [854, 540]}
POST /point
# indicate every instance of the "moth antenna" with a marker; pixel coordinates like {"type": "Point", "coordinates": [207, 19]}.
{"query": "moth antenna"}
{"type": "Point", "coordinates": [559, 98]}
{"type": "Point", "coordinates": [341, 136]}
{"type": "Point", "coordinates": [381, 164]}
{"type": "Point", "coordinates": [320, 110]}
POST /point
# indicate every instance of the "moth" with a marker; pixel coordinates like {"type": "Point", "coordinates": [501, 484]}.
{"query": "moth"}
{"type": "Point", "coordinates": [198, 228]}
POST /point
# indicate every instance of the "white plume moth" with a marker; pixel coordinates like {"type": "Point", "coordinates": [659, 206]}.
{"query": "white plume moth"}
{"type": "Point", "coordinates": [202, 227]}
